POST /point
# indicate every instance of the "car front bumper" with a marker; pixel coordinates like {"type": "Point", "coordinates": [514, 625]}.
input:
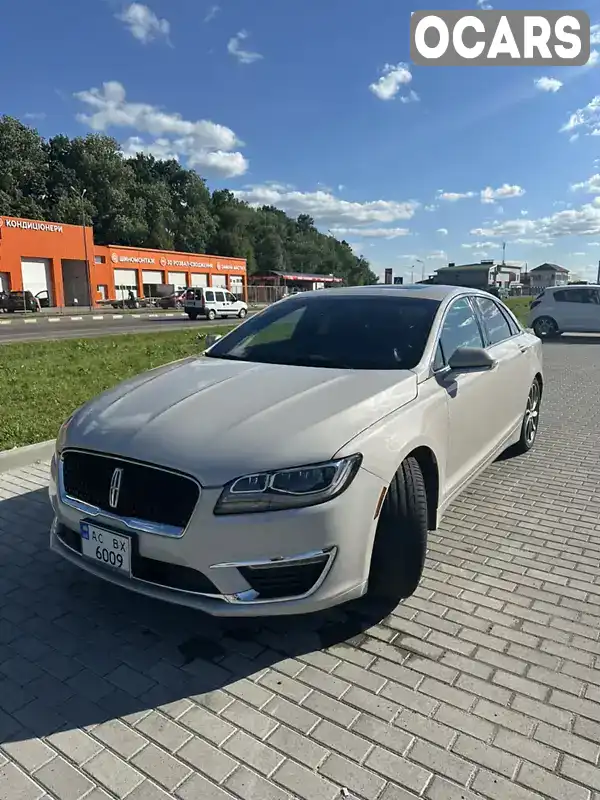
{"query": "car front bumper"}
{"type": "Point", "coordinates": [283, 562]}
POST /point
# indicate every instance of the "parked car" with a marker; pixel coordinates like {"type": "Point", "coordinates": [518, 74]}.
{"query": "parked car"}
{"type": "Point", "coordinates": [19, 301]}
{"type": "Point", "coordinates": [213, 303]}
{"type": "Point", "coordinates": [301, 461]}
{"type": "Point", "coordinates": [175, 300]}
{"type": "Point", "coordinates": [565, 309]}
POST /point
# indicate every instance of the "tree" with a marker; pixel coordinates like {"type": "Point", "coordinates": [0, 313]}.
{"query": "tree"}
{"type": "Point", "coordinates": [144, 202]}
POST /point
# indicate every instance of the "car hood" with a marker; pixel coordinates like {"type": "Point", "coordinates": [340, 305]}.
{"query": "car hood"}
{"type": "Point", "coordinates": [218, 419]}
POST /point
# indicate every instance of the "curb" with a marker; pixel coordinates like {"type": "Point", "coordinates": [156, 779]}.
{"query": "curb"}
{"type": "Point", "coordinates": [24, 456]}
{"type": "Point", "coordinates": [95, 318]}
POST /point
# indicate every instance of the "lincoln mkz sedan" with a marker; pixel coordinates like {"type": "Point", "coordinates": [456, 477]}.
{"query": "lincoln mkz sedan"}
{"type": "Point", "coordinates": [300, 462]}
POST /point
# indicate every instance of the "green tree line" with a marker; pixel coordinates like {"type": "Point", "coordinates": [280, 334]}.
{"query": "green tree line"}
{"type": "Point", "coordinates": [144, 202]}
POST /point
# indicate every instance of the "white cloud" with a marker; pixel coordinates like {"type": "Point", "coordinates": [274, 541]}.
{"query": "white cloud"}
{"type": "Point", "coordinates": [430, 207]}
{"type": "Point", "coordinates": [586, 119]}
{"type": "Point", "coordinates": [504, 192]}
{"type": "Point", "coordinates": [484, 5]}
{"type": "Point", "coordinates": [161, 149]}
{"type": "Point", "coordinates": [212, 13]}
{"type": "Point", "coordinates": [201, 143]}
{"type": "Point", "coordinates": [595, 34]}
{"type": "Point", "coordinates": [391, 80]}
{"type": "Point", "coordinates": [143, 23]}
{"type": "Point", "coordinates": [437, 254]}
{"type": "Point", "coordinates": [452, 197]}
{"type": "Point", "coordinates": [578, 254]}
{"type": "Point", "coordinates": [371, 233]}
{"type": "Point", "coordinates": [591, 186]}
{"type": "Point", "coordinates": [34, 115]}
{"type": "Point", "coordinates": [524, 212]}
{"type": "Point", "coordinates": [442, 231]}
{"type": "Point", "coordinates": [235, 49]}
{"type": "Point", "coordinates": [548, 84]}
{"type": "Point", "coordinates": [326, 207]}
{"type": "Point", "coordinates": [479, 245]}
{"type": "Point", "coordinates": [594, 58]}
{"type": "Point", "coordinates": [583, 221]}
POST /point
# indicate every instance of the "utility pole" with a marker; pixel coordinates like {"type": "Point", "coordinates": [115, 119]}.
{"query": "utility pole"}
{"type": "Point", "coordinates": [503, 254]}
{"type": "Point", "coordinates": [598, 275]}
{"type": "Point", "coordinates": [422, 263]}
{"type": "Point", "coordinates": [412, 274]}
{"type": "Point", "coordinates": [85, 246]}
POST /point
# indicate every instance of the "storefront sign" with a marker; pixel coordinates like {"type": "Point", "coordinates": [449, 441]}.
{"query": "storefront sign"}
{"type": "Point", "coordinates": [237, 267]}
{"type": "Point", "coordinates": [169, 262]}
{"type": "Point", "coordinates": [25, 225]}
{"type": "Point", "coordinates": [117, 259]}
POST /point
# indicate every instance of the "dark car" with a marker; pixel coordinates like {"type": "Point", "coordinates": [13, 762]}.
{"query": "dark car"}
{"type": "Point", "coordinates": [172, 301]}
{"type": "Point", "coordinates": [21, 301]}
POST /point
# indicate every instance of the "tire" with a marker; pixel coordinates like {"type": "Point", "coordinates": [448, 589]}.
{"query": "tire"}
{"type": "Point", "coordinates": [210, 314]}
{"type": "Point", "coordinates": [531, 421]}
{"type": "Point", "coordinates": [545, 328]}
{"type": "Point", "coordinates": [193, 315]}
{"type": "Point", "coordinates": [242, 313]}
{"type": "Point", "coordinates": [400, 543]}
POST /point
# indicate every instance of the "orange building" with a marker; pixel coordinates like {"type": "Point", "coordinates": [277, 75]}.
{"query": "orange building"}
{"type": "Point", "coordinates": [63, 262]}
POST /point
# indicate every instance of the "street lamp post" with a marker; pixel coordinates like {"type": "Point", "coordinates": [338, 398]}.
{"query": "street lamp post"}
{"type": "Point", "coordinates": [422, 263]}
{"type": "Point", "coordinates": [85, 250]}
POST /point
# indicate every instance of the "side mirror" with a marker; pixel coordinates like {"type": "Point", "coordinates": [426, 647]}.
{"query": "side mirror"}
{"type": "Point", "coordinates": [210, 339]}
{"type": "Point", "coordinates": [470, 358]}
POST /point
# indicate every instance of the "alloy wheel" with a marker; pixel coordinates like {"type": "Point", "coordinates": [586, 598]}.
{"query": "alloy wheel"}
{"type": "Point", "coordinates": [532, 413]}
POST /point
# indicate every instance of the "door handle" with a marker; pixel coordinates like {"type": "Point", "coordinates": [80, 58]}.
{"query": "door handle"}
{"type": "Point", "coordinates": [523, 348]}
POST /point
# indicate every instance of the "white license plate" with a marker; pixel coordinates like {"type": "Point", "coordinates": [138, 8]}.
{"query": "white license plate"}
{"type": "Point", "coordinates": [106, 548]}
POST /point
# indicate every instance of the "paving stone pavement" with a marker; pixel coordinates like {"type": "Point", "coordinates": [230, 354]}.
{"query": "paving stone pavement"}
{"type": "Point", "coordinates": [484, 684]}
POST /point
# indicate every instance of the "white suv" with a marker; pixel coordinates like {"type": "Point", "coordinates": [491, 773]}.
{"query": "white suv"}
{"type": "Point", "coordinates": [213, 303]}
{"type": "Point", "coordinates": [566, 309]}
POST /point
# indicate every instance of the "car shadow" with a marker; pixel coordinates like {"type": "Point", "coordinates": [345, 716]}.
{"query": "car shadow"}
{"type": "Point", "coordinates": [76, 651]}
{"type": "Point", "coordinates": [572, 339]}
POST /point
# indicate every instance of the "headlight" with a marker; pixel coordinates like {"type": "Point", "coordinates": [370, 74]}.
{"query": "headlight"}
{"type": "Point", "coordinates": [297, 487]}
{"type": "Point", "coordinates": [62, 434]}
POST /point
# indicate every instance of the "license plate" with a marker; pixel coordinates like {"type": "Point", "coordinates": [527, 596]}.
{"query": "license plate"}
{"type": "Point", "coordinates": [106, 548]}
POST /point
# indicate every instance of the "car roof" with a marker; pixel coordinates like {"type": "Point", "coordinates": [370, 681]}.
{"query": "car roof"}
{"type": "Point", "coordinates": [568, 287]}
{"type": "Point", "coordinates": [428, 291]}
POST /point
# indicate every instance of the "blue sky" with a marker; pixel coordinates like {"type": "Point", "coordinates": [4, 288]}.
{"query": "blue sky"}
{"type": "Point", "coordinates": [315, 107]}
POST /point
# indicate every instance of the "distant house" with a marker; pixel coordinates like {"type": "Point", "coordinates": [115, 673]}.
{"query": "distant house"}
{"type": "Point", "coordinates": [480, 275]}
{"type": "Point", "coordinates": [548, 275]}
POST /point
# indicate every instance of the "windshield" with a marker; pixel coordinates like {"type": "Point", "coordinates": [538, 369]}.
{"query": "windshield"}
{"type": "Point", "coordinates": [341, 332]}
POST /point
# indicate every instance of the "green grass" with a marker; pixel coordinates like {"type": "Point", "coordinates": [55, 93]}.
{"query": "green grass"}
{"type": "Point", "coordinates": [41, 383]}
{"type": "Point", "coordinates": [520, 307]}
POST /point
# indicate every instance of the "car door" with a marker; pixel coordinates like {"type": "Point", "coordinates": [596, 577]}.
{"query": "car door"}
{"type": "Point", "coordinates": [577, 308]}
{"type": "Point", "coordinates": [466, 392]}
{"type": "Point", "coordinates": [511, 379]}
{"type": "Point", "coordinates": [220, 302]}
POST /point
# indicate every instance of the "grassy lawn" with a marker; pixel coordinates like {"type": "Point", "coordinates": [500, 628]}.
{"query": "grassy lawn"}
{"type": "Point", "coordinates": [41, 383]}
{"type": "Point", "coordinates": [520, 307]}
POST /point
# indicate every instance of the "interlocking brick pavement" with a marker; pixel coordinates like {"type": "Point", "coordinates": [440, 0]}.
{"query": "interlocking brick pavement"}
{"type": "Point", "coordinates": [483, 686]}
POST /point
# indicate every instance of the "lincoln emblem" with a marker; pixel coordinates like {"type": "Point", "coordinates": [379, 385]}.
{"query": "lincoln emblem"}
{"type": "Point", "coordinates": [115, 487]}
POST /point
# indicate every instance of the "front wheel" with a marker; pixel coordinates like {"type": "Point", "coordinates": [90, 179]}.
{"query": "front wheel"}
{"type": "Point", "coordinates": [400, 545]}
{"type": "Point", "coordinates": [242, 313]}
{"type": "Point", "coordinates": [545, 328]}
{"type": "Point", "coordinates": [531, 421]}
{"type": "Point", "coordinates": [211, 314]}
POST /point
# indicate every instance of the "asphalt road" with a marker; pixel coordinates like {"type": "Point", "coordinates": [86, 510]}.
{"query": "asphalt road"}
{"type": "Point", "coordinates": [22, 330]}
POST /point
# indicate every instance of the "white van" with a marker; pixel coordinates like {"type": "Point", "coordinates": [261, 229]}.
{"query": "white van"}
{"type": "Point", "coordinates": [213, 303]}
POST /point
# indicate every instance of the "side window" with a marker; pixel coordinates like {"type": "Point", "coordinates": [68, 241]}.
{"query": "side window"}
{"type": "Point", "coordinates": [583, 295]}
{"type": "Point", "coordinates": [219, 297]}
{"type": "Point", "coordinates": [495, 324]}
{"type": "Point", "coordinates": [460, 329]}
{"type": "Point", "coordinates": [512, 324]}
{"type": "Point", "coordinates": [231, 297]}
{"type": "Point", "coordinates": [209, 296]}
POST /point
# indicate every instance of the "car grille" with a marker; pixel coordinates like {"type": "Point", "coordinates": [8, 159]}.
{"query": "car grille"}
{"type": "Point", "coordinates": [159, 573]}
{"type": "Point", "coordinates": [146, 493]}
{"type": "Point", "coordinates": [287, 580]}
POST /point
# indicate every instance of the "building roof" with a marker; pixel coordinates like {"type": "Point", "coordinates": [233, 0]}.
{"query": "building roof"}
{"type": "Point", "coordinates": [546, 267]}
{"type": "Point", "coordinates": [479, 265]}
{"type": "Point", "coordinates": [299, 276]}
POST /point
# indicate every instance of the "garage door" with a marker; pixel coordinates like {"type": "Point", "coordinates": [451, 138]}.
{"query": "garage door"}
{"type": "Point", "coordinates": [178, 280]}
{"type": "Point", "coordinates": [125, 279]}
{"type": "Point", "coordinates": [199, 280]}
{"type": "Point", "coordinates": [152, 276]}
{"type": "Point", "coordinates": [36, 275]}
{"type": "Point", "coordinates": [219, 281]}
